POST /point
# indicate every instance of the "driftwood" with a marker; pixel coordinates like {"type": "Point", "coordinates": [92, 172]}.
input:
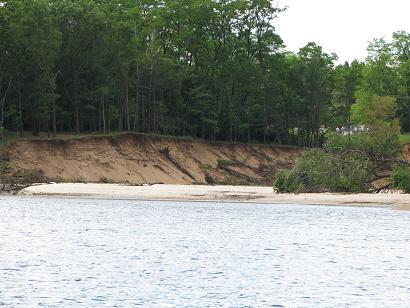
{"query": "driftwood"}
{"type": "Point", "coordinates": [380, 189]}
{"type": "Point", "coordinates": [12, 187]}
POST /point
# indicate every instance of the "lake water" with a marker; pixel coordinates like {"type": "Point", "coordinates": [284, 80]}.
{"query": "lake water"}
{"type": "Point", "coordinates": [108, 253]}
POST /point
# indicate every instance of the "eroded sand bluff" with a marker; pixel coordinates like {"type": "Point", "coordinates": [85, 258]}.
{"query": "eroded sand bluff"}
{"type": "Point", "coordinates": [140, 159]}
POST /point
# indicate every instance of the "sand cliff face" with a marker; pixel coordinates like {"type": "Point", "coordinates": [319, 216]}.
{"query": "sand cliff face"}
{"type": "Point", "coordinates": [139, 159]}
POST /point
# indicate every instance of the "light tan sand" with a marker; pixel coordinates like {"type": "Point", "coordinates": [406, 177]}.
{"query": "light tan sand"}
{"type": "Point", "coordinates": [138, 159]}
{"type": "Point", "coordinates": [217, 193]}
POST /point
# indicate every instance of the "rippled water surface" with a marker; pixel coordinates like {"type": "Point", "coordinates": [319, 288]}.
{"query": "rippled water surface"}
{"type": "Point", "coordinates": [105, 253]}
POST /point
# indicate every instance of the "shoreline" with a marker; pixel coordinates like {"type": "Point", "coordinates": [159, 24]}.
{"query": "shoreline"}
{"type": "Point", "coordinates": [245, 194]}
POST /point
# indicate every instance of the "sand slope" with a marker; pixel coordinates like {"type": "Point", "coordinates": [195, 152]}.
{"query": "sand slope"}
{"type": "Point", "coordinates": [139, 159]}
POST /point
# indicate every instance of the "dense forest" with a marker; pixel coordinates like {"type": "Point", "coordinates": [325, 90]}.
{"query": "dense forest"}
{"type": "Point", "coordinates": [213, 69]}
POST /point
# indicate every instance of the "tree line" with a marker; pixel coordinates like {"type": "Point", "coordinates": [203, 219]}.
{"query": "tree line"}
{"type": "Point", "coordinates": [204, 68]}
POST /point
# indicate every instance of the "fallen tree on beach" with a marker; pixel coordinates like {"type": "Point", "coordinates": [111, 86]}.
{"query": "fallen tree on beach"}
{"type": "Point", "coordinates": [371, 161]}
{"type": "Point", "coordinates": [344, 170]}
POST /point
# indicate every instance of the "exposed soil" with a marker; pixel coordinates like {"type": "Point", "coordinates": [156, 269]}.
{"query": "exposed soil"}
{"type": "Point", "coordinates": [140, 159]}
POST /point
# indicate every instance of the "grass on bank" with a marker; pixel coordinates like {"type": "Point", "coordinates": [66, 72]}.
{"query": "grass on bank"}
{"type": "Point", "coordinates": [225, 163]}
{"type": "Point", "coordinates": [10, 137]}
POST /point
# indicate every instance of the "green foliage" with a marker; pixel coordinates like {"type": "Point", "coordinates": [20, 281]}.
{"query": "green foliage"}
{"type": "Point", "coordinates": [199, 68]}
{"type": "Point", "coordinates": [4, 167]}
{"type": "Point", "coordinates": [347, 163]}
{"type": "Point", "coordinates": [316, 72]}
{"type": "Point", "coordinates": [400, 179]}
{"type": "Point", "coordinates": [106, 180]}
{"type": "Point", "coordinates": [373, 109]}
{"type": "Point", "coordinates": [387, 73]}
{"type": "Point", "coordinates": [288, 182]}
{"type": "Point", "coordinates": [404, 139]}
{"type": "Point", "coordinates": [225, 163]}
{"type": "Point", "coordinates": [347, 79]}
{"type": "Point", "coordinates": [377, 143]}
{"type": "Point", "coordinates": [378, 114]}
{"type": "Point", "coordinates": [2, 132]}
{"type": "Point", "coordinates": [319, 170]}
{"type": "Point", "coordinates": [206, 69]}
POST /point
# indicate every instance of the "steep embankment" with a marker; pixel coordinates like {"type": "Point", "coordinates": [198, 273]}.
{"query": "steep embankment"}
{"type": "Point", "coordinates": [139, 159]}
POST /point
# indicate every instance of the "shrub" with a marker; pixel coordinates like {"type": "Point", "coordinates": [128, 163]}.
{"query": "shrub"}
{"type": "Point", "coordinates": [320, 170]}
{"type": "Point", "coordinates": [106, 180]}
{"type": "Point", "coordinates": [286, 182]}
{"type": "Point", "coordinates": [400, 179]}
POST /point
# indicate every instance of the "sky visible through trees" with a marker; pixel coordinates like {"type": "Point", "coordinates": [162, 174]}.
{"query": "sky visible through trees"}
{"type": "Point", "coordinates": [204, 68]}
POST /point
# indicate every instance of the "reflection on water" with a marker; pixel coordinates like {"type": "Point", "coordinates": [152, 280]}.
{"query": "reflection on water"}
{"type": "Point", "coordinates": [106, 253]}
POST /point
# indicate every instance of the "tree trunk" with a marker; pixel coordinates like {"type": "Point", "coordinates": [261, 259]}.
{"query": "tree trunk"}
{"type": "Point", "coordinates": [48, 129]}
{"type": "Point", "coordinates": [408, 115]}
{"type": "Point", "coordinates": [75, 100]}
{"type": "Point", "coordinates": [77, 118]}
{"type": "Point", "coordinates": [35, 128]}
{"type": "Point", "coordinates": [120, 119]}
{"type": "Point", "coordinates": [135, 126]}
{"type": "Point", "coordinates": [102, 115]}
{"type": "Point", "coordinates": [265, 122]}
{"type": "Point", "coordinates": [143, 114]}
{"type": "Point", "coordinates": [137, 100]}
{"type": "Point", "coordinates": [2, 106]}
{"type": "Point", "coordinates": [127, 109]}
{"type": "Point", "coordinates": [21, 128]}
{"type": "Point", "coordinates": [54, 119]}
{"type": "Point", "coordinates": [109, 120]}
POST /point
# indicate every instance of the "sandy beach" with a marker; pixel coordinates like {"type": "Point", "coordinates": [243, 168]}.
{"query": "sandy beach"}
{"type": "Point", "coordinates": [216, 193]}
